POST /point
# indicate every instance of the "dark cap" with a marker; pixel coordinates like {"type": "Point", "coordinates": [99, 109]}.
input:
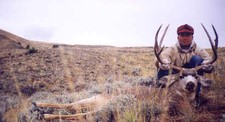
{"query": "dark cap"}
{"type": "Point", "coordinates": [185, 29]}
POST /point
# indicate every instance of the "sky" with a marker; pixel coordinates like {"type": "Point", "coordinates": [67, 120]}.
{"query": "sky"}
{"type": "Point", "coordinates": [122, 23]}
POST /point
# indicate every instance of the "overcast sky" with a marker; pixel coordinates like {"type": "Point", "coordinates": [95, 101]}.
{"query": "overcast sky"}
{"type": "Point", "coordinates": [111, 22]}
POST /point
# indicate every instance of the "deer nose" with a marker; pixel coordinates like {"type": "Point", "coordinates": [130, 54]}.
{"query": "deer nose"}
{"type": "Point", "coordinates": [190, 86]}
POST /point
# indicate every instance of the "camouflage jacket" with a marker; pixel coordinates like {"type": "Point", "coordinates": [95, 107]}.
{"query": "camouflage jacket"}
{"type": "Point", "coordinates": [178, 57]}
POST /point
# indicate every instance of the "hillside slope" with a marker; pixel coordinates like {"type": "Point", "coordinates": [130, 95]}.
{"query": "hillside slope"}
{"type": "Point", "coordinates": [29, 67]}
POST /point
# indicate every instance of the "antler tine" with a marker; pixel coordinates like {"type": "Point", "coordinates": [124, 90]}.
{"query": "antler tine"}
{"type": "Point", "coordinates": [160, 44]}
{"type": "Point", "coordinates": [216, 38]}
{"type": "Point", "coordinates": [157, 48]}
{"type": "Point", "coordinates": [216, 44]}
{"type": "Point", "coordinates": [214, 47]}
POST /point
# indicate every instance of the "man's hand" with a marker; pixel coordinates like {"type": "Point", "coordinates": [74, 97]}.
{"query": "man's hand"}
{"type": "Point", "coordinates": [164, 66]}
{"type": "Point", "coordinates": [208, 68]}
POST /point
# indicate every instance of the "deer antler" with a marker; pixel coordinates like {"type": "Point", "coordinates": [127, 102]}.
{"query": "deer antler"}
{"type": "Point", "coordinates": [158, 48]}
{"type": "Point", "coordinates": [214, 47]}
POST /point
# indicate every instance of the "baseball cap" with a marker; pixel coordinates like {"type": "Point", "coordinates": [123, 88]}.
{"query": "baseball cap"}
{"type": "Point", "coordinates": [185, 29]}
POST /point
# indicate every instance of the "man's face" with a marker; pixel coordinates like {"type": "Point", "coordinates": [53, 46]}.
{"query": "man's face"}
{"type": "Point", "coordinates": [185, 39]}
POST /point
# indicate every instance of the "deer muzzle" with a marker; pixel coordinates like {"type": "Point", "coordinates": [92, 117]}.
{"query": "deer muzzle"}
{"type": "Point", "coordinates": [190, 86]}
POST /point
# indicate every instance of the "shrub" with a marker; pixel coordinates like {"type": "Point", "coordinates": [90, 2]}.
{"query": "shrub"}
{"type": "Point", "coordinates": [32, 50]}
{"type": "Point", "coordinates": [55, 46]}
{"type": "Point", "coordinates": [28, 90]}
{"type": "Point", "coordinates": [28, 47]}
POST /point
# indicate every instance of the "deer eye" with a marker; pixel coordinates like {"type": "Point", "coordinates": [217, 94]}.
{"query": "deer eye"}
{"type": "Point", "coordinates": [181, 77]}
{"type": "Point", "coordinates": [196, 76]}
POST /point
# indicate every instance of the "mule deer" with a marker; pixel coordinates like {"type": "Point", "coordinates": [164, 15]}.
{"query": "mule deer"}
{"type": "Point", "coordinates": [183, 84]}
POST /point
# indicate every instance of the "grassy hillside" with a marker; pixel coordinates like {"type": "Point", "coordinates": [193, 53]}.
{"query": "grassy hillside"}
{"type": "Point", "coordinates": [37, 71]}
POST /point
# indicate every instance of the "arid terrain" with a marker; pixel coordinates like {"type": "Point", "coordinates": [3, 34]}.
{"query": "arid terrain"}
{"type": "Point", "coordinates": [37, 71]}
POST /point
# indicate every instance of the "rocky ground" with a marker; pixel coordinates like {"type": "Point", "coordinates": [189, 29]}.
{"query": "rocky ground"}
{"type": "Point", "coordinates": [37, 71]}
